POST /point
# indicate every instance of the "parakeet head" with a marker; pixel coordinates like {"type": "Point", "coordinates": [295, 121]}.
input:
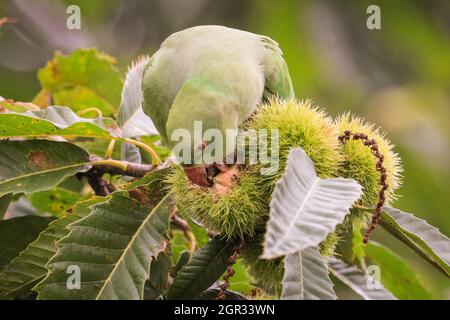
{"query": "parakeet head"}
{"type": "Point", "coordinates": [203, 83]}
{"type": "Point", "coordinates": [206, 132]}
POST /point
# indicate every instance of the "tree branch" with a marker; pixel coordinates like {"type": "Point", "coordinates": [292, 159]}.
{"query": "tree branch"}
{"type": "Point", "coordinates": [100, 167]}
{"type": "Point", "coordinates": [100, 186]}
{"type": "Point", "coordinates": [125, 169]}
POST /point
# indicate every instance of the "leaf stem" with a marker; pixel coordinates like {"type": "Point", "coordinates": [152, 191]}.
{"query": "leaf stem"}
{"type": "Point", "coordinates": [111, 162]}
{"type": "Point", "coordinates": [155, 158]}
{"type": "Point", "coordinates": [110, 149]}
{"type": "Point", "coordinates": [91, 109]}
{"type": "Point", "coordinates": [410, 243]}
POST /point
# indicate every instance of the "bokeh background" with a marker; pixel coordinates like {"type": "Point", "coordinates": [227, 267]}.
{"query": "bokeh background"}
{"type": "Point", "coordinates": [397, 77]}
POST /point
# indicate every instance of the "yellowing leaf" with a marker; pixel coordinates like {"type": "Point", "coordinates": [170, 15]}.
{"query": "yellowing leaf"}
{"type": "Point", "coordinates": [85, 78]}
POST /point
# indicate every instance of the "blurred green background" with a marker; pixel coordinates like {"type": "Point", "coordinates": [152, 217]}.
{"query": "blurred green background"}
{"type": "Point", "coordinates": [397, 77]}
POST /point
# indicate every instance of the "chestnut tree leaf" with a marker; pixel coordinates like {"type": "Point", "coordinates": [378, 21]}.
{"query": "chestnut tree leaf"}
{"type": "Point", "coordinates": [305, 208]}
{"type": "Point", "coordinates": [37, 165]}
{"type": "Point", "coordinates": [113, 247]}
{"type": "Point", "coordinates": [205, 267]}
{"type": "Point", "coordinates": [395, 270]}
{"type": "Point", "coordinates": [55, 201]}
{"type": "Point", "coordinates": [131, 118]}
{"type": "Point", "coordinates": [306, 277]}
{"type": "Point", "coordinates": [85, 78]}
{"type": "Point", "coordinates": [30, 266]}
{"type": "Point", "coordinates": [55, 121]}
{"type": "Point", "coordinates": [358, 281]}
{"type": "Point", "coordinates": [16, 234]}
{"type": "Point", "coordinates": [425, 239]}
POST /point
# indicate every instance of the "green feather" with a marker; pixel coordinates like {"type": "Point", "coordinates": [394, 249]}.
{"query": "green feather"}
{"type": "Point", "coordinates": [212, 74]}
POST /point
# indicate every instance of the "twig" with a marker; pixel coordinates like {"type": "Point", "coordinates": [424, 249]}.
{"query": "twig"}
{"type": "Point", "coordinates": [125, 168]}
{"type": "Point", "coordinates": [100, 186]}
{"type": "Point", "coordinates": [113, 167]}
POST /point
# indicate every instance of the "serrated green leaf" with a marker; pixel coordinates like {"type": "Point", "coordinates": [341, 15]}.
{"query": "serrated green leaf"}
{"type": "Point", "coordinates": [55, 121]}
{"type": "Point", "coordinates": [37, 165]}
{"type": "Point", "coordinates": [16, 234]}
{"type": "Point", "coordinates": [305, 208]}
{"type": "Point", "coordinates": [306, 277]}
{"type": "Point", "coordinates": [113, 247]}
{"type": "Point", "coordinates": [152, 178]}
{"type": "Point", "coordinates": [159, 276]}
{"type": "Point", "coordinates": [205, 267]}
{"type": "Point", "coordinates": [396, 275]}
{"type": "Point", "coordinates": [420, 236]}
{"type": "Point", "coordinates": [357, 281]}
{"type": "Point", "coordinates": [29, 267]}
{"type": "Point", "coordinates": [131, 118]}
{"type": "Point", "coordinates": [85, 78]}
{"type": "Point", "coordinates": [183, 258]}
{"type": "Point", "coordinates": [17, 106]}
{"type": "Point", "coordinates": [55, 201]}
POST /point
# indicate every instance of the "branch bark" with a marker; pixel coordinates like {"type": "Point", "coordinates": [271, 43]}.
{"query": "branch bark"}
{"type": "Point", "coordinates": [102, 187]}
{"type": "Point", "coordinates": [132, 169]}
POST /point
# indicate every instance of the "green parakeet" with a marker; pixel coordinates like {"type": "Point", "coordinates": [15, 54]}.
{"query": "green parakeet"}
{"type": "Point", "coordinates": [213, 74]}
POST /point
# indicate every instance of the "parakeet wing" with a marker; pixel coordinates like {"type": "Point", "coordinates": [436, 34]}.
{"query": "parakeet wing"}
{"type": "Point", "coordinates": [277, 79]}
{"type": "Point", "coordinates": [158, 88]}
